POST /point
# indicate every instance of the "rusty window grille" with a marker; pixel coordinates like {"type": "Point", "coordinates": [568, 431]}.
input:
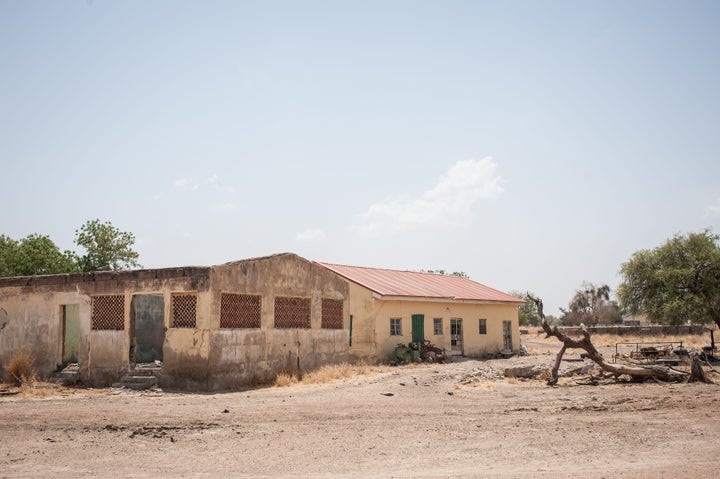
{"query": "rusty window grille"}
{"type": "Point", "coordinates": [332, 314]}
{"type": "Point", "coordinates": [239, 310]}
{"type": "Point", "coordinates": [292, 312]}
{"type": "Point", "coordinates": [108, 312]}
{"type": "Point", "coordinates": [184, 309]}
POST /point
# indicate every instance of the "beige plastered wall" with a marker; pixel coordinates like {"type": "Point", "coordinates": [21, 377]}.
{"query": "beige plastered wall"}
{"type": "Point", "coordinates": [246, 356]}
{"type": "Point", "coordinates": [31, 320]}
{"type": "Point", "coordinates": [371, 324]}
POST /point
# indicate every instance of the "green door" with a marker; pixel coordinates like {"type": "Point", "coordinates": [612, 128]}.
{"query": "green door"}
{"type": "Point", "coordinates": [71, 332]}
{"type": "Point", "coordinates": [418, 328]}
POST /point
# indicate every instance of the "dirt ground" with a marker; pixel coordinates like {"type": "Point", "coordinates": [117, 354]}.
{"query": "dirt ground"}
{"type": "Point", "coordinates": [462, 419]}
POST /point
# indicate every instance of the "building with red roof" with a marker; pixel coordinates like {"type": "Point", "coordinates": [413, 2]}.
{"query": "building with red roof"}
{"type": "Point", "coordinates": [462, 316]}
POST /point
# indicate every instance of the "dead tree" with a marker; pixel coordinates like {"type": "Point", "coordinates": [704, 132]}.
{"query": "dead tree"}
{"type": "Point", "coordinates": [662, 373]}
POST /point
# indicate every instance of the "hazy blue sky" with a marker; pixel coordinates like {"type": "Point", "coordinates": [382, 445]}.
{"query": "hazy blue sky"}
{"type": "Point", "coordinates": [533, 145]}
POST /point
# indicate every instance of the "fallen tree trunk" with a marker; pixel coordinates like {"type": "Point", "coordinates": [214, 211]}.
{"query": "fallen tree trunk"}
{"type": "Point", "coordinates": [662, 373]}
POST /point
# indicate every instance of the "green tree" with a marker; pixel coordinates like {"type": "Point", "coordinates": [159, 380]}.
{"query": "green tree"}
{"type": "Point", "coordinates": [527, 313]}
{"type": "Point", "coordinates": [591, 305]}
{"type": "Point", "coordinates": [32, 255]}
{"type": "Point", "coordinates": [675, 283]}
{"type": "Point", "coordinates": [8, 256]}
{"type": "Point", "coordinates": [106, 247]}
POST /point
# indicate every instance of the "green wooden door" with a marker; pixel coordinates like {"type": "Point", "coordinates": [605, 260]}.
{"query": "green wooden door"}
{"type": "Point", "coordinates": [71, 332]}
{"type": "Point", "coordinates": [418, 328]}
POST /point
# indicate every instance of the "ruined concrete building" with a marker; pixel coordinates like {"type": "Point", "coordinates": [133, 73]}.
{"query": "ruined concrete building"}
{"type": "Point", "coordinates": [240, 323]}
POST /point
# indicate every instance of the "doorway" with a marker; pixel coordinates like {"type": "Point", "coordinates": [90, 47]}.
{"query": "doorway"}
{"type": "Point", "coordinates": [70, 333]}
{"type": "Point", "coordinates": [507, 335]}
{"type": "Point", "coordinates": [456, 336]}
{"type": "Point", "coordinates": [418, 328]}
{"type": "Point", "coordinates": [147, 328]}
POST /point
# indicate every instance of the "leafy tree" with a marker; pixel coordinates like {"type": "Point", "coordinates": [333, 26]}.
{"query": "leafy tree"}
{"type": "Point", "coordinates": [107, 248]}
{"type": "Point", "coordinates": [34, 254]}
{"type": "Point", "coordinates": [591, 305]}
{"type": "Point", "coordinates": [675, 283]}
{"type": "Point", "coordinates": [8, 256]}
{"type": "Point", "coordinates": [527, 313]}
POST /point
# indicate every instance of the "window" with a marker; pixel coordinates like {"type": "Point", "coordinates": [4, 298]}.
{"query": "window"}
{"type": "Point", "coordinates": [395, 326]}
{"type": "Point", "coordinates": [332, 314]}
{"type": "Point", "coordinates": [483, 326]}
{"type": "Point", "coordinates": [184, 307]}
{"type": "Point", "coordinates": [108, 312]}
{"type": "Point", "coordinates": [292, 312]}
{"type": "Point", "coordinates": [239, 310]}
{"type": "Point", "coordinates": [437, 326]}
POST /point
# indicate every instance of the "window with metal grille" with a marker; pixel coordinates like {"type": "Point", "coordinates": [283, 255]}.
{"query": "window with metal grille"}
{"type": "Point", "coordinates": [332, 314]}
{"type": "Point", "coordinates": [108, 312]}
{"type": "Point", "coordinates": [292, 312]}
{"type": "Point", "coordinates": [395, 326]}
{"type": "Point", "coordinates": [437, 326]}
{"type": "Point", "coordinates": [239, 310]}
{"type": "Point", "coordinates": [483, 326]}
{"type": "Point", "coordinates": [184, 308]}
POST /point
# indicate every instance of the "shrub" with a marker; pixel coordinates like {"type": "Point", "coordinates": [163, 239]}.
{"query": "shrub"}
{"type": "Point", "coordinates": [19, 370]}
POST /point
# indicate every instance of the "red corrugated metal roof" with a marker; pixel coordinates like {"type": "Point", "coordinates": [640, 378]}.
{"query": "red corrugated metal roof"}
{"type": "Point", "coordinates": [414, 284]}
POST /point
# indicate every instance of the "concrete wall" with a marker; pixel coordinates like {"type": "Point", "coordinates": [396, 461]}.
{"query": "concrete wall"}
{"type": "Point", "coordinates": [241, 356]}
{"type": "Point", "coordinates": [371, 324]}
{"type": "Point", "coordinates": [31, 318]}
{"type": "Point", "coordinates": [203, 357]}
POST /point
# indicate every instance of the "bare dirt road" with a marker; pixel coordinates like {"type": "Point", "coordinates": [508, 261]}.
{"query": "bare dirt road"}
{"type": "Point", "coordinates": [453, 420]}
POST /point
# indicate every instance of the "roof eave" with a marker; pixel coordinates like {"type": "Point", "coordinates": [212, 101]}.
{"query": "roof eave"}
{"type": "Point", "coordinates": [436, 299]}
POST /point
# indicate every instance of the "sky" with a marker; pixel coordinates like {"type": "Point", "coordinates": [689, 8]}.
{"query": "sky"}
{"type": "Point", "coordinates": [533, 145]}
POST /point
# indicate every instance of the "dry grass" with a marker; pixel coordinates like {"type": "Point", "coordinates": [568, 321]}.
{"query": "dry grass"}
{"type": "Point", "coordinates": [19, 371]}
{"type": "Point", "coordinates": [326, 374]}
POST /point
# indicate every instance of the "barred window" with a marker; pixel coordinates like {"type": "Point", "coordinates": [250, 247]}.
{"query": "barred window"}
{"type": "Point", "coordinates": [239, 310]}
{"type": "Point", "coordinates": [292, 312]}
{"type": "Point", "coordinates": [437, 326]}
{"type": "Point", "coordinates": [184, 308]}
{"type": "Point", "coordinates": [483, 326]}
{"type": "Point", "coordinates": [395, 326]}
{"type": "Point", "coordinates": [108, 312]}
{"type": "Point", "coordinates": [332, 314]}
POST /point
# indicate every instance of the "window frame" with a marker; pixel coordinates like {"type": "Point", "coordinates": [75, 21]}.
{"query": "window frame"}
{"type": "Point", "coordinates": [395, 326]}
{"type": "Point", "coordinates": [482, 326]}
{"type": "Point", "coordinates": [437, 322]}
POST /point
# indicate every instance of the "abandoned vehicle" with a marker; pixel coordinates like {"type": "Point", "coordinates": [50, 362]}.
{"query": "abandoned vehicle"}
{"type": "Point", "coordinates": [243, 322]}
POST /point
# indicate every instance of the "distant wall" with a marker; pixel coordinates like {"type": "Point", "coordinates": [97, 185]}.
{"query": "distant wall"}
{"type": "Point", "coordinates": [655, 330]}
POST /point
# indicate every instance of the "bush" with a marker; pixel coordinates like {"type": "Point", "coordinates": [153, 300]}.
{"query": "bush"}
{"type": "Point", "coordinates": [19, 370]}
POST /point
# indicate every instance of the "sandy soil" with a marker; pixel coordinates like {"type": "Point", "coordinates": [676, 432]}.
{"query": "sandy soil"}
{"type": "Point", "coordinates": [452, 420]}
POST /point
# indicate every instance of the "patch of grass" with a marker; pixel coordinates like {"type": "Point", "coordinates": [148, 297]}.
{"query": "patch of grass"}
{"type": "Point", "coordinates": [285, 379]}
{"type": "Point", "coordinates": [19, 371]}
{"type": "Point", "coordinates": [325, 374]}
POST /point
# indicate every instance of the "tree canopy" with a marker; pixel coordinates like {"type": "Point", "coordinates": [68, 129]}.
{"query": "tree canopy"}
{"type": "Point", "coordinates": [34, 254]}
{"type": "Point", "coordinates": [676, 282]}
{"type": "Point", "coordinates": [591, 305]}
{"type": "Point", "coordinates": [527, 313]}
{"type": "Point", "coordinates": [106, 248]}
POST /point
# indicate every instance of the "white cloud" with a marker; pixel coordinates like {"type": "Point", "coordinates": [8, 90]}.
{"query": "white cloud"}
{"type": "Point", "coordinates": [450, 201]}
{"type": "Point", "coordinates": [713, 209]}
{"type": "Point", "coordinates": [211, 180]}
{"type": "Point", "coordinates": [185, 184]}
{"type": "Point", "coordinates": [224, 206]}
{"type": "Point", "coordinates": [311, 235]}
